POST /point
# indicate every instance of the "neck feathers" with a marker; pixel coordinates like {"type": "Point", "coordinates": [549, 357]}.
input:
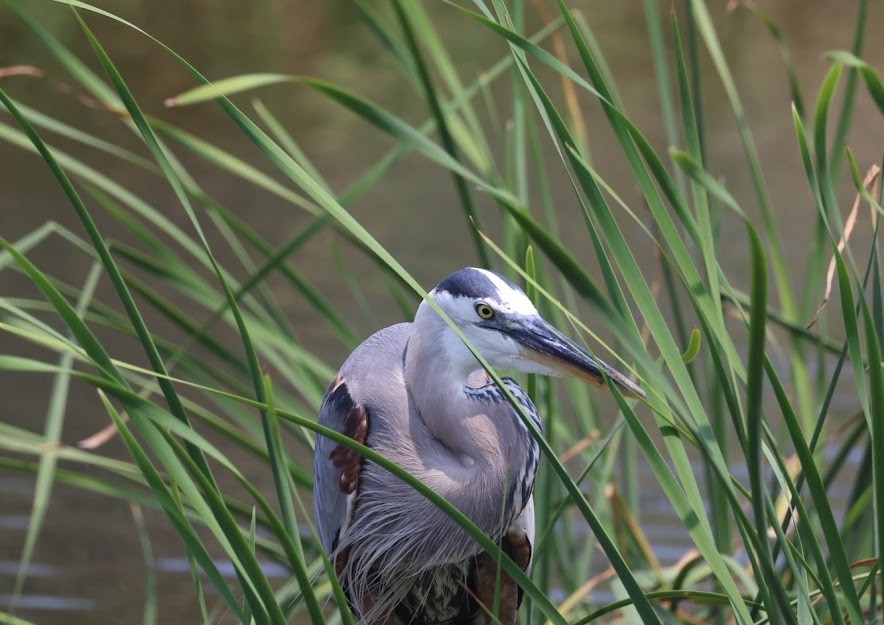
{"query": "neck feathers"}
{"type": "Point", "coordinates": [476, 435]}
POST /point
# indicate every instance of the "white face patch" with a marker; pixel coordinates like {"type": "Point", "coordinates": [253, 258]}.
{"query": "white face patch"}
{"type": "Point", "coordinates": [508, 299]}
{"type": "Point", "coordinates": [462, 291]}
{"type": "Point", "coordinates": [500, 350]}
{"type": "Point", "coordinates": [460, 295]}
{"type": "Point", "coordinates": [460, 309]}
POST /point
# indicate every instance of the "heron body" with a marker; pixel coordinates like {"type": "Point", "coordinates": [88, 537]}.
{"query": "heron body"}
{"type": "Point", "coordinates": [415, 394]}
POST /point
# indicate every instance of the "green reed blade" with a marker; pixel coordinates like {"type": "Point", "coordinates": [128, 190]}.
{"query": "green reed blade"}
{"type": "Point", "coordinates": [51, 438]}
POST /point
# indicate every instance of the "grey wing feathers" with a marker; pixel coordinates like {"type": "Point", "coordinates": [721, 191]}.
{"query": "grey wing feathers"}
{"type": "Point", "coordinates": [525, 523]}
{"type": "Point", "coordinates": [346, 408]}
{"type": "Point", "coordinates": [336, 468]}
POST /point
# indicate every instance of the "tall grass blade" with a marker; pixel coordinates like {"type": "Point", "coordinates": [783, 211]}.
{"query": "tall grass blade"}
{"type": "Point", "coordinates": [110, 267]}
{"type": "Point", "coordinates": [448, 143]}
{"type": "Point", "coordinates": [173, 511]}
{"type": "Point", "coordinates": [226, 87]}
{"type": "Point", "coordinates": [820, 146]}
{"type": "Point", "coordinates": [754, 427]}
{"type": "Point", "coordinates": [803, 563]}
{"type": "Point", "coordinates": [51, 438]}
{"type": "Point", "coordinates": [823, 511]}
{"type": "Point", "coordinates": [151, 599]}
{"type": "Point", "coordinates": [876, 393]}
{"type": "Point", "coordinates": [849, 97]}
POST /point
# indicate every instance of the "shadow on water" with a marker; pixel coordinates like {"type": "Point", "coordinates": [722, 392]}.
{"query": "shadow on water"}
{"type": "Point", "coordinates": [88, 559]}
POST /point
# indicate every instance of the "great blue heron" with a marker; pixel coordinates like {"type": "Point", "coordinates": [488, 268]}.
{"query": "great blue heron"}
{"type": "Point", "coordinates": [415, 394]}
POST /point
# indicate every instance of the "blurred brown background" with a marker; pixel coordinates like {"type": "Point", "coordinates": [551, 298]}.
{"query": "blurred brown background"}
{"type": "Point", "coordinates": [88, 565]}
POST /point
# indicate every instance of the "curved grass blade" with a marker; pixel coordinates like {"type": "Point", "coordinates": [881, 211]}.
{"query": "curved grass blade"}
{"type": "Point", "coordinates": [67, 131]}
{"type": "Point", "coordinates": [150, 572]}
{"type": "Point", "coordinates": [77, 68]}
{"type": "Point", "coordinates": [91, 346]}
{"type": "Point", "coordinates": [699, 175]}
{"type": "Point", "coordinates": [876, 393]}
{"type": "Point", "coordinates": [755, 426]}
{"type": "Point", "coordinates": [230, 163]}
{"type": "Point", "coordinates": [634, 279]}
{"type": "Point", "coordinates": [393, 125]}
{"type": "Point", "coordinates": [288, 142]}
{"type": "Point", "coordinates": [255, 575]}
{"type": "Point", "coordinates": [113, 382]}
{"type": "Point", "coordinates": [786, 55]}
{"type": "Point", "coordinates": [173, 511]}
{"type": "Point", "coordinates": [110, 266]}
{"type": "Point", "coordinates": [51, 439]}
{"type": "Point", "coordinates": [534, 50]}
{"type": "Point", "coordinates": [318, 193]}
{"type": "Point", "coordinates": [226, 87]}
{"type": "Point", "coordinates": [836, 557]}
{"type": "Point", "coordinates": [849, 97]}
{"type": "Point", "coordinates": [706, 29]}
{"type": "Point", "coordinates": [89, 482]}
{"type": "Point", "coordinates": [827, 193]}
{"type": "Point", "coordinates": [448, 143]}
{"type": "Point", "coordinates": [693, 348]}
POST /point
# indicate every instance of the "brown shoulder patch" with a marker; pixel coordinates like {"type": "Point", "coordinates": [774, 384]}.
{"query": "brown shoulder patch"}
{"type": "Point", "coordinates": [341, 561]}
{"type": "Point", "coordinates": [515, 544]}
{"type": "Point", "coordinates": [354, 424]}
{"type": "Point", "coordinates": [519, 548]}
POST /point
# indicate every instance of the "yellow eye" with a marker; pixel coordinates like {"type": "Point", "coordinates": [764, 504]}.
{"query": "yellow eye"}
{"type": "Point", "coordinates": [484, 310]}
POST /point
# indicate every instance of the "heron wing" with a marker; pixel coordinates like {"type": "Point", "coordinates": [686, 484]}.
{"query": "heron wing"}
{"type": "Point", "coordinates": [336, 467]}
{"type": "Point", "coordinates": [364, 394]}
{"type": "Point", "coordinates": [518, 544]}
{"type": "Point", "coordinates": [524, 524]}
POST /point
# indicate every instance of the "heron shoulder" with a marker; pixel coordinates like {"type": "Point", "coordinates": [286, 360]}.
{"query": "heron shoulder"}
{"type": "Point", "coordinates": [375, 367]}
{"type": "Point", "coordinates": [348, 407]}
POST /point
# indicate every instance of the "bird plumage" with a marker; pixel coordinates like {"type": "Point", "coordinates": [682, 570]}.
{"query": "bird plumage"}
{"type": "Point", "coordinates": [386, 525]}
{"type": "Point", "coordinates": [411, 392]}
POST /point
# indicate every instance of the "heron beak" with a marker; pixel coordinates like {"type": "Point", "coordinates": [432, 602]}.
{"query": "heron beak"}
{"type": "Point", "coordinates": [542, 343]}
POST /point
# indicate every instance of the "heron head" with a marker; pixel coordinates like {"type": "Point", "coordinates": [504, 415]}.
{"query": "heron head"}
{"type": "Point", "coordinates": [505, 327]}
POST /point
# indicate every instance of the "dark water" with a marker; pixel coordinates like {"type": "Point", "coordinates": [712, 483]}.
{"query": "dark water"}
{"type": "Point", "coordinates": [89, 565]}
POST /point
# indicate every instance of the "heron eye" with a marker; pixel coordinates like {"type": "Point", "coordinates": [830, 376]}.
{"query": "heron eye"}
{"type": "Point", "coordinates": [484, 310]}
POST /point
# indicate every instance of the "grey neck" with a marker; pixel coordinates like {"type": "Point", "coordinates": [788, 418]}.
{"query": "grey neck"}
{"type": "Point", "coordinates": [472, 427]}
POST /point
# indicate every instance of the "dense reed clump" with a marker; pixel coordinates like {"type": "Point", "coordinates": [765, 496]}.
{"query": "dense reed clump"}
{"type": "Point", "coordinates": [179, 329]}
